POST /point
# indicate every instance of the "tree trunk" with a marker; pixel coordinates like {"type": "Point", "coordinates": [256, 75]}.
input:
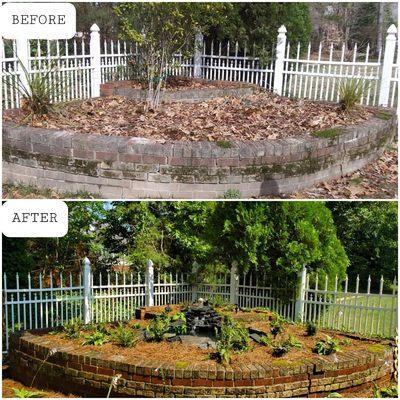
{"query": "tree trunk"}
{"type": "Point", "coordinates": [379, 31]}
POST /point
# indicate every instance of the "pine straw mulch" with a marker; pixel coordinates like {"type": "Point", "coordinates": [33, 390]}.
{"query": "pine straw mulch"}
{"type": "Point", "coordinates": [174, 352]}
{"type": "Point", "coordinates": [255, 117]}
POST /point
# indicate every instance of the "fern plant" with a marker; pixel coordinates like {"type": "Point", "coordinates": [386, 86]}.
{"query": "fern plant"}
{"type": "Point", "coordinates": [24, 393]}
{"type": "Point", "coordinates": [157, 328]}
{"type": "Point", "coordinates": [73, 328]}
{"type": "Point", "coordinates": [124, 336]}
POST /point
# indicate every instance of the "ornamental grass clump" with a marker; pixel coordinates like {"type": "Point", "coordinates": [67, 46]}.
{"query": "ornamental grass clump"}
{"type": "Point", "coordinates": [351, 92]}
{"type": "Point", "coordinates": [39, 91]}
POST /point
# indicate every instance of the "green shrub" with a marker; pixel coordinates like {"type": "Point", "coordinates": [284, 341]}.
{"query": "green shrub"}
{"type": "Point", "coordinates": [73, 328]}
{"type": "Point", "coordinates": [136, 325]}
{"type": "Point", "coordinates": [232, 338]}
{"type": "Point", "coordinates": [351, 91]}
{"type": "Point", "coordinates": [157, 328]}
{"type": "Point", "coordinates": [180, 329]}
{"type": "Point", "coordinates": [124, 336]}
{"type": "Point", "coordinates": [326, 346]}
{"type": "Point", "coordinates": [311, 328]}
{"type": "Point", "coordinates": [96, 339]}
{"type": "Point", "coordinates": [40, 89]}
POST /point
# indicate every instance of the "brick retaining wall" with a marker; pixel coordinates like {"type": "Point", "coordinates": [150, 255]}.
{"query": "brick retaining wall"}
{"type": "Point", "coordinates": [127, 167]}
{"type": "Point", "coordinates": [88, 373]}
{"type": "Point", "coordinates": [183, 95]}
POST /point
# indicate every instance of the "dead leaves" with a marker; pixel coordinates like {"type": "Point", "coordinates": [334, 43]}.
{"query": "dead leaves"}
{"type": "Point", "coordinates": [256, 117]}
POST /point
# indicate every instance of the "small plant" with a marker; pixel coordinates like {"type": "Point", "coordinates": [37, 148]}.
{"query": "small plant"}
{"type": "Point", "coordinates": [180, 329]}
{"type": "Point", "coordinates": [385, 392]}
{"type": "Point", "coordinates": [351, 92]}
{"type": "Point", "coordinates": [97, 338]}
{"type": "Point", "coordinates": [24, 393]}
{"type": "Point", "coordinates": [334, 395]}
{"type": "Point", "coordinates": [219, 302]}
{"type": "Point", "coordinates": [124, 336]}
{"type": "Point", "coordinates": [232, 338]}
{"type": "Point", "coordinates": [136, 325]}
{"type": "Point", "coordinates": [311, 328]}
{"type": "Point", "coordinates": [157, 328]}
{"type": "Point", "coordinates": [346, 342]}
{"type": "Point", "coordinates": [283, 347]}
{"type": "Point", "coordinates": [326, 346]}
{"type": "Point", "coordinates": [231, 194]}
{"type": "Point", "coordinates": [265, 340]}
{"type": "Point", "coordinates": [276, 324]}
{"type": "Point", "coordinates": [73, 328]}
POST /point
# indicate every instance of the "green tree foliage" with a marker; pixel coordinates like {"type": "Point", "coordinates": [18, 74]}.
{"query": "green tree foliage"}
{"type": "Point", "coordinates": [259, 22]}
{"type": "Point", "coordinates": [368, 231]}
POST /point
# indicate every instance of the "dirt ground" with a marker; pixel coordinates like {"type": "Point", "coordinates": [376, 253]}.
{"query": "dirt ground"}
{"type": "Point", "coordinates": [255, 117]}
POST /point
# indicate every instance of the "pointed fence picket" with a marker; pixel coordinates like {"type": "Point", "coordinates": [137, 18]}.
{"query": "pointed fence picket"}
{"type": "Point", "coordinates": [50, 300]}
{"type": "Point", "coordinates": [289, 70]}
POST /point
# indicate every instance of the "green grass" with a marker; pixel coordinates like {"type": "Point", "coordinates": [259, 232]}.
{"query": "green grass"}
{"type": "Point", "coordinates": [20, 191]}
{"type": "Point", "coordinates": [327, 133]}
{"type": "Point", "coordinates": [383, 115]}
{"type": "Point", "coordinates": [224, 144]}
{"type": "Point", "coordinates": [366, 321]}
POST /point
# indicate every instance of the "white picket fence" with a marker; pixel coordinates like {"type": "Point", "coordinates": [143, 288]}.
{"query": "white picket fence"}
{"type": "Point", "coordinates": [52, 300]}
{"type": "Point", "coordinates": [83, 66]}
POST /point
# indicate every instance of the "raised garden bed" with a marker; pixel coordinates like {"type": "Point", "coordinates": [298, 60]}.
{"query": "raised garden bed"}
{"type": "Point", "coordinates": [253, 145]}
{"type": "Point", "coordinates": [175, 369]}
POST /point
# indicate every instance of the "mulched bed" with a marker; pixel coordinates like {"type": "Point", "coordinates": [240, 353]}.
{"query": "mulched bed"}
{"type": "Point", "coordinates": [255, 117]}
{"type": "Point", "coordinates": [177, 352]}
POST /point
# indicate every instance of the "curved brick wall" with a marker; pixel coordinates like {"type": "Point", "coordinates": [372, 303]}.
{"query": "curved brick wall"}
{"type": "Point", "coordinates": [124, 88]}
{"type": "Point", "coordinates": [126, 167]}
{"type": "Point", "coordinates": [87, 373]}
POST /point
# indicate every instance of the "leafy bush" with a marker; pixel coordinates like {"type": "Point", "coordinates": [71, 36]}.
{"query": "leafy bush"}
{"type": "Point", "coordinates": [96, 339]}
{"type": "Point", "coordinates": [41, 88]}
{"type": "Point", "coordinates": [351, 92]}
{"type": "Point", "coordinates": [157, 328]}
{"type": "Point", "coordinates": [283, 347]}
{"type": "Point", "coordinates": [232, 338]}
{"type": "Point", "coordinates": [73, 328]}
{"type": "Point", "coordinates": [311, 328]}
{"type": "Point", "coordinates": [180, 329]}
{"type": "Point", "coordinates": [124, 336]}
{"type": "Point", "coordinates": [388, 392]}
{"type": "Point", "coordinates": [326, 346]}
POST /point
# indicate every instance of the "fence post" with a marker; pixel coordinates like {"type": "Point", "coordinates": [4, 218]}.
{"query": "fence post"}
{"type": "Point", "coordinates": [198, 59]}
{"type": "Point", "coordinates": [387, 66]}
{"type": "Point", "coordinates": [23, 53]}
{"type": "Point", "coordinates": [95, 80]}
{"type": "Point", "coordinates": [87, 292]}
{"type": "Point", "coordinates": [279, 62]}
{"type": "Point", "coordinates": [299, 309]}
{"type": "Point", "coordinates": [149, 284]}
{"type": "Point", "coordinates": [234, 289]}
{"type": "Point", "coordinates": [195, 267]}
